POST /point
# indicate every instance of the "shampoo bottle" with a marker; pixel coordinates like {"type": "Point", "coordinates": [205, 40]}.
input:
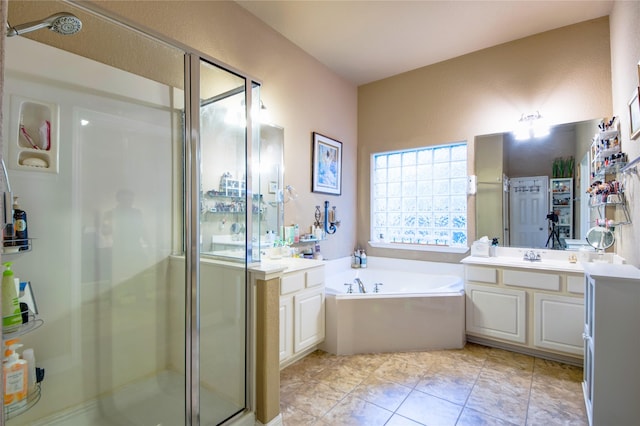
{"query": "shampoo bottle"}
{"type": "Point", "coordinates": [11, 316]}
{"type": "Point", "coordinates": [20, 226]}
{"type": "Point", "coordinates": [15, 378]}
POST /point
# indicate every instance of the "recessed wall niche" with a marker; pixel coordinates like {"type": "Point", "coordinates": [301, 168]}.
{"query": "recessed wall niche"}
{"type": "Point", "coordinates": [33, 142]}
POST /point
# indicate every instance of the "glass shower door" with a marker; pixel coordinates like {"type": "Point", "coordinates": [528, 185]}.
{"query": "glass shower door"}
{"type": "Point", "coordinates": [223, 218]}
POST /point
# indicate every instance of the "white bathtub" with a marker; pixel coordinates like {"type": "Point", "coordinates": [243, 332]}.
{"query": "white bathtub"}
{"type": "Point", "coordinates": [412, 311]}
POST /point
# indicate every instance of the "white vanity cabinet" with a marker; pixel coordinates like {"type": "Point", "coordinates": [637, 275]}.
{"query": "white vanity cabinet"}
{"type": "Point", "coordinates": [302, 313]}
{"type": "Point", "coordinates": [611, 383]}
{"type": "Point", "coordinates": [535, 310]}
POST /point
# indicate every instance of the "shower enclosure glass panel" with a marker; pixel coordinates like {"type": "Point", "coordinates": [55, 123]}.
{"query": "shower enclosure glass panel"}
{"type": "Point", "coordinates": [107, 265]}
{"type": "Point", "coordinates": [102, 269]}
{"type": "Point", "coordinates": [223, 229]}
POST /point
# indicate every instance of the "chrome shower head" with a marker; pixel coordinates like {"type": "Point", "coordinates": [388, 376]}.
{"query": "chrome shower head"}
{"type": "Point", "coordinates": [62, 23]}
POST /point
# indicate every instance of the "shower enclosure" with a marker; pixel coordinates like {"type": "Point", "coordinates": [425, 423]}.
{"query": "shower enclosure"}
{"type": "Point", "coordinates": [141, 326]}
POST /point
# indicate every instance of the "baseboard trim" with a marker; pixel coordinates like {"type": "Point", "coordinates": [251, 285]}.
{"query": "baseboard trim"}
{"type": "Point", "coordinates": [526, 351]}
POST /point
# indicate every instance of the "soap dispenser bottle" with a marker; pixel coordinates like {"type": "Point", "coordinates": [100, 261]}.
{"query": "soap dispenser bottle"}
{"type": "Point", "coordinates": [15, 378]}
{"type": "Point", "coordinates": [20, 226]}
{"type": "Point", "coordinates": [11, 316]}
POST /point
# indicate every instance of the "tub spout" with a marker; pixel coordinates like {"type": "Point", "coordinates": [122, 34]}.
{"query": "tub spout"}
{"type": "Point", "coordinates": [360, 285]}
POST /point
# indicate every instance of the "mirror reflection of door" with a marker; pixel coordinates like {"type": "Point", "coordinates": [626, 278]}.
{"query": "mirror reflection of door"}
{"type": "Point", "coordinates": [529, 205]}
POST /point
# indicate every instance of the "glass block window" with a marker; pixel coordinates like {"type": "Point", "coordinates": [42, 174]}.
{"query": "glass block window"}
{"type": "Point", "coordinates": [419, 196]}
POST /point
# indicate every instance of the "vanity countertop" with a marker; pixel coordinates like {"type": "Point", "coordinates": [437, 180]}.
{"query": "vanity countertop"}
{"type": "Point", "coordinates": [514, 262]}
{"type": "Point", "coordinates": [285, 264]}
{"type": "Point", "coordinates": [551, 260]}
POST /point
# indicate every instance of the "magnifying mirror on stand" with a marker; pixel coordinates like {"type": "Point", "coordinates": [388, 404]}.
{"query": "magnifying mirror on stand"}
{"type": "Point", "coordinates": [601, 239]}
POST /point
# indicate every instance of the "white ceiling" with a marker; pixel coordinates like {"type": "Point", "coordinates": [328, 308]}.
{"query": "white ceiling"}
{"type": "Point", "coordinates": [365, 41]}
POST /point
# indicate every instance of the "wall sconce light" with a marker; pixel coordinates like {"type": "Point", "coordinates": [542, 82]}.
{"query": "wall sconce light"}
{"type": "Point", "coordinates": [331, 224]}
{"type": "Point", "coordinates": [531, 126]}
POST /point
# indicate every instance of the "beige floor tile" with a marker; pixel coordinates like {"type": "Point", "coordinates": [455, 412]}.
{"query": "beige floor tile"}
{"type": "Point", "coordinates": [471, 417]}
{"type": "Point", "coordinates": [381, 392]}
{"type": "Point", "coordinates": [364, 362]}
{"type": "Point", "coordinates": [314, 398]}
{"type": "Point", "coordinates": [499, 398]}
{"type": "Point", "coordinates": [429, 410]}
{"type": "Point", "coordinates": [352, 411]}
{"type": "Point", "coordinates": [398, 420]}
{"type": "Point", "coordinates": [343, 378]}
{"type": "Point", "coordinates": [452, 388]}
{"type": "Point", "coordinates": [292, 416]}
{"type": "Point", "coordinates": [495, 387]}
{"type": "Point", "coordinates": [400, 371]}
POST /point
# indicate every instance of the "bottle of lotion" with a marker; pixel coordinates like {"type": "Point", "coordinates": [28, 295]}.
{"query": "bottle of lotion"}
{"type": "Point", "coordinates": [15, 378]}
{"type": "Point", "coordinates": [11, 316]}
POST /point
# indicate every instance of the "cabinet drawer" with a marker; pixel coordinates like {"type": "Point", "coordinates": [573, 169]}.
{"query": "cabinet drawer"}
{"type": "Point", "coordinates": [485, 275]}
{"type": "Point", "coordinates": [575, 284]}
{"type": "Point", "coordinates": [531, 280]}
{"type": "Point", "coordinates": [292, 282]}
{"type": "Point", "coordinates": [315, 277]}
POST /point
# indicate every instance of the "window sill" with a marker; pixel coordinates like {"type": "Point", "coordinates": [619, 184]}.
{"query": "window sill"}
{"type": "Point", "coordinates": [418, 247]}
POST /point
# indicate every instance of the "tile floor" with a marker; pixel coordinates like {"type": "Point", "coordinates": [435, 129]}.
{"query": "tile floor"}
{"type": "Point", "coordinates": [476, 385]}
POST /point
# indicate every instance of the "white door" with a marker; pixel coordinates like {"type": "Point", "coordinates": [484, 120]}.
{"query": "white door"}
{"type": "Point", "coordinates": [529, 206]}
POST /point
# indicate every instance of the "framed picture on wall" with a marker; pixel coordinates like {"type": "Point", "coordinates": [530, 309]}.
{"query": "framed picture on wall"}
{"type": "Point", "coordinates": [634, 114]}
{"type": "Point", "coordinates": [327, 165]}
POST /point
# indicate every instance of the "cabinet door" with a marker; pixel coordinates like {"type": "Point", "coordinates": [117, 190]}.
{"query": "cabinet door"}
{"type": "Point", "coordinates": [558, 323]}
{"type": "Point", "coordinates": [496, 312]}
{"type": "Point", "coordinates": [309, 318]}
{"type": "Point", "coordinates": [286, 328]}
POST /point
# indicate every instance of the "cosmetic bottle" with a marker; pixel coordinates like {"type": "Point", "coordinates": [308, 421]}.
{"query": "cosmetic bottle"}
{"type": "Point", "coordinates": [11, 316]}
{"type": "Point", "coordinates": [15, 378]}
{"type": "Point", "coordinates": [20, 226]}
{"type": "Point", "coordinates": [363, 259]}
{"type": "Point", "coordinates": [30, 358]}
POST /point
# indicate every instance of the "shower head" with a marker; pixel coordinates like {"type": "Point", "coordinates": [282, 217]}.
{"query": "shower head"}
{"type": "Point", "coordinates": [62, 23]}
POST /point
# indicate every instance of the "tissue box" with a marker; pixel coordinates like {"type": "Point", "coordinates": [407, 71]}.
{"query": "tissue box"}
{"type": "Point", "coordinates": [480, 249]}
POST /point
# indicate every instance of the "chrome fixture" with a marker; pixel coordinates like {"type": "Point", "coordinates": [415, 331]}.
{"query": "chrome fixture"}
{"type": "Point", "coordinates": [531, 126]}
{"type": "Point", "coordinates": [532, 256]}
{"type": "Point", "coordinates": [360, 285]}
{"type": "Point", "coordinates": [375, 287]}
{"type": "Point", "coordinates": [350, 288]}
{"type": "Point", "coordinates": [62, 23]}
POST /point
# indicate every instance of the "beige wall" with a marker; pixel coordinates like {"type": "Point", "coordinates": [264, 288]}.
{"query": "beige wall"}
{"type": "Point", "coordinates": [302, 95]}
{"type": "Point", "coordinates": [564, 73]}
{"type": "Point", "coordinates": [625, 54]}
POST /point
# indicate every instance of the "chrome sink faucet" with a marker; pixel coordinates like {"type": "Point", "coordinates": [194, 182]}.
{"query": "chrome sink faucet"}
{"type": "Point", "coordinates": [532, 256]}
{"type": "Point", "coordinates": [360, 285]}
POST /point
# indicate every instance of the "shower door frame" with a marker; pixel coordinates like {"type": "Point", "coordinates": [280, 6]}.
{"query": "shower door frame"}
{"type": "Point", "coordinates": [193, 164]}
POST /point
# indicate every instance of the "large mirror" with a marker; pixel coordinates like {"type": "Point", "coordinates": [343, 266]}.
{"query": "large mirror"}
{"type": "Point", "coordinates": [223, 230]}
{"type": "Point", "coordinates": [532, 192]}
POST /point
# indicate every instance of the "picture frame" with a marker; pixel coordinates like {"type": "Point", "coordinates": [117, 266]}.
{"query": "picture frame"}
{"type": "Point", "coordinates": [634, 114]}
{"type": "Point", "coordinates": [326, 165]}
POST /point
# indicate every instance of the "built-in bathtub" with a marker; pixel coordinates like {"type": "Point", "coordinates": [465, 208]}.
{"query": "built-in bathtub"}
{"type": "Point", "coordinates": [419, 306]}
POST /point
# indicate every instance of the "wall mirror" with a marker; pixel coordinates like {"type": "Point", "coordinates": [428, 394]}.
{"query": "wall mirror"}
{"type": "Point", "coordinates": [515, 181]}
{"type": "Point", "coordinates": [271, 182]}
